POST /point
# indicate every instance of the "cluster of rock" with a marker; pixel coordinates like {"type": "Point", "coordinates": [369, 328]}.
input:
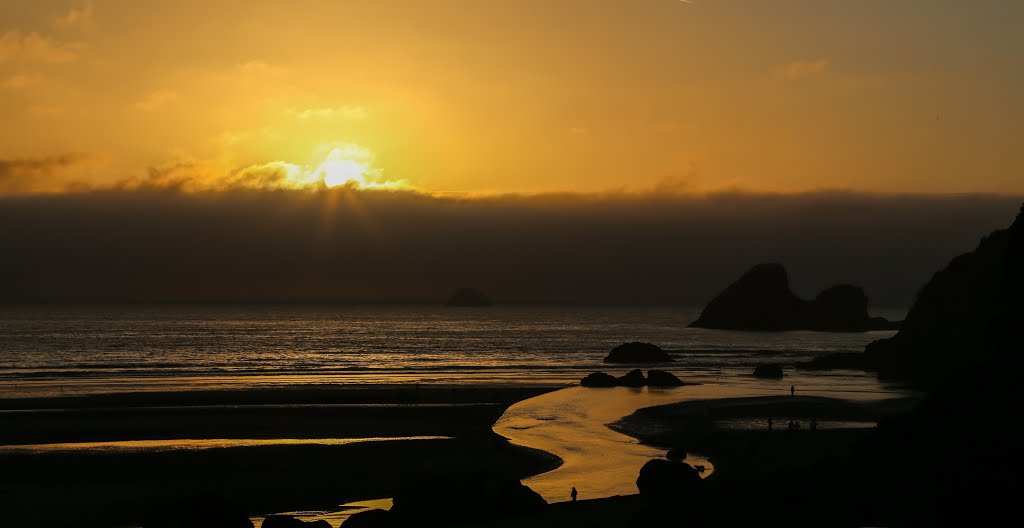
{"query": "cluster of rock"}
{"type": "Point", "coordinates": [634, 378]}
{"type": "Point", "coordinates": [762, 301]}
{"type": "Point", "coordinates": [637, 352]}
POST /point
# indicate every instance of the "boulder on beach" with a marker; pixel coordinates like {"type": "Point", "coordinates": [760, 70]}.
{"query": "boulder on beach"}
{"type": "Point", "coordinates": [485, 495]}
{"type": "Point", "coordinates": [637, 352]}
{"type": "Point", "coordinates": [468, 297]}
{"type": "Point", "coordinates": [667, 480]}
{"type": "Point", "coordinates": [598, 379]}
{"type": "Point", "coordinates": [769, 370]}
{"type": "Point", "coordinates": [634, 378]}
{"type": "Point", "coordinates": [660, 378]}
{"type": "Point", "coordinates": [285, 521]}
{"type": "Point", "coordinates": [676, 453]}
{"type": "Point", "coordinates": [761, 300]}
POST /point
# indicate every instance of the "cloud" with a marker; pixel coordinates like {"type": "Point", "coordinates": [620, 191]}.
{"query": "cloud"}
{"type": "Point", "coordinates": [353, 245]}
{"type": "Point", "coordinates": [79, 18]}
{"type": "Point", "coordinates": [156, 100]}
{"type": "Point", "coordinates": [20, 80]}
{"type": "Point", "coordinates": [260, 68]}
{"type": "Point", "coordinates": [803, 68]}
{"type": "Point", "coordinates": [36, 48]}
{"type": "Point", "coordinates": [348, 112]}
{"type": "Point", "coordinates": [201, 176]}
{"type": "Point", "coordinates": [41, 174]}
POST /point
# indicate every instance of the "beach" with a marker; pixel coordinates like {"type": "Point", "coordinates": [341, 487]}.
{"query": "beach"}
{"type": "Point", "coordinates": [123, 412]}
{"type": "Point", "coordinates": [104, 486]}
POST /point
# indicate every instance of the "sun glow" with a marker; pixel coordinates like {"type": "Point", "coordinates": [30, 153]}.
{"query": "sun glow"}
{"type": "Point", "coordinates": [351, 165]}
{"type": "Point", "coordinates": [342, 172]}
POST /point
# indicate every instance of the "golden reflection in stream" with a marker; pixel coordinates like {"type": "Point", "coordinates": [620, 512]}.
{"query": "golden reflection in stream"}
{"type": "Point", "coordinates": [572, 424]}
{"type": "Point", "coordinates": [193, 444]}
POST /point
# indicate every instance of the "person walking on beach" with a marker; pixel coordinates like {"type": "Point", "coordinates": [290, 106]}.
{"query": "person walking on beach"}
{"type": "Point", "coordinates": [792, 391]}
{"type": "Point", "coordinates": [573, 494]}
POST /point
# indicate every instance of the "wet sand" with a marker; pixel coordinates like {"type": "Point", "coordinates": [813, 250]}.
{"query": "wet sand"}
{"type": "Point", "coordinates": [105, 488]}
{"type": "Point", "coordinates": [572, 424]}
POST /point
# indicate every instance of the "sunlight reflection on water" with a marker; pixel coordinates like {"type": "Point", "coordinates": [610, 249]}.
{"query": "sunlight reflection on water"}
{"type": "Point", "coordinates": [572, 424]}
{"type": "Point", "coordinates": [195, 444]}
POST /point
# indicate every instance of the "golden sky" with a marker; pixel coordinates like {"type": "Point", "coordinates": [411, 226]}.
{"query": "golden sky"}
{"type": "Point", "coordinates": [489, 96]}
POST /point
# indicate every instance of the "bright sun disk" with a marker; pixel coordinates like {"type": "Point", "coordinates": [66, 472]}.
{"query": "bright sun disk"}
{"type": "Point", "coordinates": [342, 171]}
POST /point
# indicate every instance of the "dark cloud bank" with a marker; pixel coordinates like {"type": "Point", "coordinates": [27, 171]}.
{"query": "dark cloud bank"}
{"type": "Point", "coordinates": [348, 246]}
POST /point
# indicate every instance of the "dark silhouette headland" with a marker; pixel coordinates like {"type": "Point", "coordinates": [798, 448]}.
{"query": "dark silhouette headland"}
{"type": "Point", "coordinates": [469, 297]}
{"type": "Point", "coordinates": [762, 301]}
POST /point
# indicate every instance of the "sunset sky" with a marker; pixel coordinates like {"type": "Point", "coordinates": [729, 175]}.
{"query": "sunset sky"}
{"type": "Point", "coordinates": [487, 96]}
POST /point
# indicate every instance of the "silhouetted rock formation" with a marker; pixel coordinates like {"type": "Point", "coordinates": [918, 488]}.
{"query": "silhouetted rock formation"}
{"type": "Point", "coordinates": [441, 503]}
{"type": "Point", "coordinates": [676, 454]}
{"type": "Point", "coordinates": [634, 378]}
{"type": "Point", "coordinates": [762, 301]}
{"type": "Point", "coordinates": [598, 379]}
{"type": "Point", "coordinates": [968, 313]}
{"type": "Point", "coordinates": [770, 370]}
{"type": "Point", "coordinates": [637, 352]}
{"type": "Point", "coordinates": [660, 378]}
{"type": "Point", "coordinates": [468, 297]}
{"type": "Point", "coordinates": [665, 480]}
{"type": "Point", "coordinates": [284, 521]}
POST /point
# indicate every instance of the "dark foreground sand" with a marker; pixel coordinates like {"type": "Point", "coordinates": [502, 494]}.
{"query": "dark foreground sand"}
{"type": "Point", "coordinates": [103, 489]}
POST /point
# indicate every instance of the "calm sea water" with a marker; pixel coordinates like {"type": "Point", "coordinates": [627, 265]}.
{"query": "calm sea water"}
{"type": "Point", "coordinates": [53, 350]}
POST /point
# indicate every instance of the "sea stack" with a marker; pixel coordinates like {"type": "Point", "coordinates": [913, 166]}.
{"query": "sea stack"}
{"type": "Point", "coordinates": [468, 297]}
{"type": "Point", "coordinates": [762, 301]}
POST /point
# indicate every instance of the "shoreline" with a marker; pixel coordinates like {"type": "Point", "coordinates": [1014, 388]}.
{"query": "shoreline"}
{"type": "Point", "coordinates": [748, 455]}
{"type": "Point", "coordinates": [103, 488]}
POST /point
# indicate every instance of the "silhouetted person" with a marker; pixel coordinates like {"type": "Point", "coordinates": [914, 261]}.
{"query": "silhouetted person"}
{"type": "Point", "coordinates": [770, 424]}
{"type": "Point", "coordinates": [792, 390]}
{"type": "Point", "coordinates": [573, 494]}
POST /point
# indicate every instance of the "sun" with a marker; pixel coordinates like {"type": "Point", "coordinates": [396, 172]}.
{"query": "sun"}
{"type": "Point", "coordinates": [343, 167]}
{"type": "Point", "coordinates": [342, 172]}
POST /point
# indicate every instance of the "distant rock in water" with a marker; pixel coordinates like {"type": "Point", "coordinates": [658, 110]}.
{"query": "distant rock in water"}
{"type": "Point", "coordinates": [635, 378]}
{"type": "Point", "coordinates": [637, 352]}
{"type": "Point", "coordinates": [762, 301]}
{"type": "Point", "coordinates": [968, 313]}
{"type": "Point", "coordinates": [771, 371]}
{"type": "Point", "coordinates": [598, 379]}
{"type": "Point", "coordinates": [468, 297]}
{"type": "Point", "coordinates": [660, 378]}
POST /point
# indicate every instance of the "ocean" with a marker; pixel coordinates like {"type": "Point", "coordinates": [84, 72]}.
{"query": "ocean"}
{"type": "Point", "coordinates": [50, 350]}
